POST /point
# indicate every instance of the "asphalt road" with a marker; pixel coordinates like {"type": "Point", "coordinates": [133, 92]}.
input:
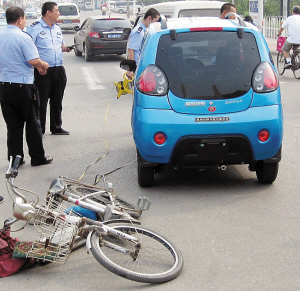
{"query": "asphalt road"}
{"type": "Point", "coordinates": [234, 233]}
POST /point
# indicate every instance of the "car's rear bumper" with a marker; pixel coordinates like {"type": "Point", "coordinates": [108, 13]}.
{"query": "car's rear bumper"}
{"type": "Point", "coordinates": [108, 47]}
{"type": "Point", "coordinates": [231, 138]}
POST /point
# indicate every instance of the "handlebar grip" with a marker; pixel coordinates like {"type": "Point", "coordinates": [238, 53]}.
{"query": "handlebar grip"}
{"type": "Point", "coordinates": [16, 163]}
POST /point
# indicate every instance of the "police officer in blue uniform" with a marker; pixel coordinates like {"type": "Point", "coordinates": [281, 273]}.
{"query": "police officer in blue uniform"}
{"type": "Point", "coordinates": [48, 38]}
{"type": "Point", "coordinates": [18, 95]}
{"type": "Point", "coordinates": [137, 34]}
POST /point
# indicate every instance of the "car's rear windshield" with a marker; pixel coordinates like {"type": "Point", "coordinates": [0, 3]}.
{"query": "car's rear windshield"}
{"type": "Point", "coordinates": [68, 10]}
{"type": "Point", "coordinates": [208, 64]}
{"type": "Point", "coordinates": [108, 24]}
{"type": "Point", "coordinates": [199, 12]}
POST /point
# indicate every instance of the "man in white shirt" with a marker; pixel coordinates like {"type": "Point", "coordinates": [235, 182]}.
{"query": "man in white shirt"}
{"type": "Point", "coordinates": [292, 23]}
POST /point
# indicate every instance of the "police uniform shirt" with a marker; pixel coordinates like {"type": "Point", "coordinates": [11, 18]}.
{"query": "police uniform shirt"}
{"type": "Point", "coordinates": [17, 48]}
{"type": "Point", "coordinates": [135, 40]}
{"type": "Point", "coordinates": [49, 41]}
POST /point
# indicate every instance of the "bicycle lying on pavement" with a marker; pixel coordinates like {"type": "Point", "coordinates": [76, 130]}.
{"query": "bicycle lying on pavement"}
{"type": "Point", "coordinates": [120, 245]}
{"type": "Point", "coordinates": [295, 60]}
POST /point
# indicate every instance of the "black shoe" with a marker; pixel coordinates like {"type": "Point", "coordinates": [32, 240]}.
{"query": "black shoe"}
{"type": "Point", "coordinates": [61, 132]}
{"type": "Point", "coordinates": [1, 199]}
{"type": "Point", "coordinates": [45, 161]}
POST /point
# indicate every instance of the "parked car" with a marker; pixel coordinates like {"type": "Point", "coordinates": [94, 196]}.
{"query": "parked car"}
{"type": "Point", "coordinates": [206, 96]}
{"type": "Point", "coordinates": [88, 6]}
{"type": "Point", "coordinates": [179, 9]}
{"type": "Point", "coordinates": [102, 35]}
{"type": "Point", "coordinates": [2, 13]}
{"type": "Point", "coordinates": [38, 11]}
{"type": "Point", "coordinates": [30, 12]}
{"type": "Point", "coordinates": [69, 18]}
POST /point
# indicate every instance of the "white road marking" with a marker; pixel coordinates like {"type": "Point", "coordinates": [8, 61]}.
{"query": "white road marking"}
{"type": "Point", "coordinates": [89, 76]}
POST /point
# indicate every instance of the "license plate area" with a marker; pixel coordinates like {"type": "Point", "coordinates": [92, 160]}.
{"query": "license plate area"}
{"type": "Point", "coordinates": [67, 21]}
{"type": "Point", "coordinates": [114, 35]}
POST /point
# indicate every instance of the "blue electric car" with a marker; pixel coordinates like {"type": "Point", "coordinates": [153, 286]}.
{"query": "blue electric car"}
{"type": "Point", "coordinates": [206, 95]}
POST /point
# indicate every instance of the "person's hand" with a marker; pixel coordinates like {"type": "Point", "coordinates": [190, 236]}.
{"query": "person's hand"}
{"type": "Point", "coordinates": [279, 34]}
{"type": "Point", "coordinates": [65, 48]}
{"type": "Point", "coordinates": [129, 74]}
{"type": "Point", "coordinates": [43, 69]}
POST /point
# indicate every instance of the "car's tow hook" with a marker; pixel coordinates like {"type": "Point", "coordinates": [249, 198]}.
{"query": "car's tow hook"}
{"type": "Point", "coordinates": [222, 167]}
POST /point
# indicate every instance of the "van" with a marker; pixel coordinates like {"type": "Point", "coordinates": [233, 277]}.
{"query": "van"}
{"type": "Point", "coordinates": [179, 9]}
{"type": "Point", "coordinates": [121, 7]}
{"type": "Point", "coordinates": [69, 18]}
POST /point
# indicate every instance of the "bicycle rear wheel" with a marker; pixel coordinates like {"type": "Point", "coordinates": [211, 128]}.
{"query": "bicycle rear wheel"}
{"type": "Point", "coordinates": [156, 261]}
{"type": "Point", "coordinates": [280, 63]}
{"type": "Point", "coordinates": [296, 65]}
{"type": "Point", "coordinates": [103, 198]}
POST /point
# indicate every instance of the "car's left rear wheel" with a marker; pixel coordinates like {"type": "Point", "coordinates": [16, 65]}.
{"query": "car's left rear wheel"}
{"type": "Point", "coordinates": [145, 176]}
{"type": "Point", "coordinates": [87, 55]}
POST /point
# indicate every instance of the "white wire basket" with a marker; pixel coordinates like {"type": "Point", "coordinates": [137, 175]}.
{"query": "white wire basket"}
{"type": "Point", "coordinates": [56, 229]}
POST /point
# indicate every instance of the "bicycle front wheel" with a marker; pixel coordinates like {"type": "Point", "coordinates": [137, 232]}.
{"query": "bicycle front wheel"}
{"type": "Point", "coordinates": [156, 261]}
{"type": "Point", "coordinates": [280, 63]}
{"type": "Point", "coordinates": [296, 67]}
{"type": "Point", "coordinates": [103, 198]}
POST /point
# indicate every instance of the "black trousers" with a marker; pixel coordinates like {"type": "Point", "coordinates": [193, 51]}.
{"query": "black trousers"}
{"type": "Point", "coordinates": [20, 106]}
{"type": "Point", "coordinates": [51, 87]}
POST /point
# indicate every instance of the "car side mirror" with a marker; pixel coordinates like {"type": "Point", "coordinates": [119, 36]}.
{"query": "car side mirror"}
{"type": "Point", "coordinates": [128, 65]}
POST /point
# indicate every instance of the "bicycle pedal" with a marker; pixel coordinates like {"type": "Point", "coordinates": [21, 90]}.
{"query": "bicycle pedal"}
{"type": "Point", "coordinates": [144, 203]}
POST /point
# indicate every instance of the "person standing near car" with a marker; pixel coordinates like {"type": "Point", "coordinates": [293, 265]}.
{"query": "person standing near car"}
{"type": "Point", "coordinates": [18, 96]}
{"type": "Point", "coordinates": [226, 9]}
{"type": "Point", "coordinates": [293, 25]}
{"type": "Point", "coordinates": [136, 37]}
{"type": "Point", "coordinates": [48, 38]}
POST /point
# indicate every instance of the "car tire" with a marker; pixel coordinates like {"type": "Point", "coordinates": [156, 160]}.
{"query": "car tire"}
{"type": "Point", "coordinates": [87, 55]}
{"type": "Point", "coordinates": [145, 176]}
{"type": "Point", "coordinates": [120, 11]}
{"type": "Point", "coordinates": [77, 52]}
{"type": "Point", "coordinates": [266, 173]}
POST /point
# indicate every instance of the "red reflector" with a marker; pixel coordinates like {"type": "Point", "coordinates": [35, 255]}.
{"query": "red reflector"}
{"type": "Point", "coordinates": [59, 21]}
{"type": "Point", "coordinates": [263, 135]}
{"type": "Point", "coordinates": [76, 21]}
{"type": "Point", "coordinates": [205, 28]}
{"type": "Point", "coordinates": [159, 138]}
{"type": "Point", "coordinates": [147, 82]}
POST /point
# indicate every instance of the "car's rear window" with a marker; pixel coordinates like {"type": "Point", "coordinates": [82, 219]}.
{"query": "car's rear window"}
{"type": "Point", "coordinates": [68, 10]}
{"type": "Point", "coordinates": [208, 64]}
{"type": "Point", "coordinates": [107, 24]}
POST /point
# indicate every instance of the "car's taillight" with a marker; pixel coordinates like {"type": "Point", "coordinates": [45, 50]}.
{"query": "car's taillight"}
{"type": "Point", "coordinates": [263, 135]}
{"type": "Point", "coordinates": [94, 34]}
{"type": "Point", "coordinates": [76, 21]}
{"type": "Point", "coordinates": [59, 21]}
{"type": "Point", "coordinates": [152, 81]}
{"type": "Point", "coordinates": [264, 78]}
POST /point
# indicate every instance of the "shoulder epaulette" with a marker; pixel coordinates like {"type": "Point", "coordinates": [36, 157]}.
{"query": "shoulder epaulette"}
{"type": "Point", "coordinates": [27, 33]}
{"type": "Point", "coordinates": [140, 29]}
{"type": "Point", "coordinates": [35, 23]}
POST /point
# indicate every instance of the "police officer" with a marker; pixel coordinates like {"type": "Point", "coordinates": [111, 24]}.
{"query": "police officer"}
{"type": "Point", "coordinates": [48, 38]}
{"type": "Point", "coordinates": [137, 34]}
{"type": "Point", "coordinates": [18, 95]}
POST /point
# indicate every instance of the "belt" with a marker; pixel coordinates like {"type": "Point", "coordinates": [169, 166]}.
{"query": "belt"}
{"type": "Point", "coordinates": [15, 84]}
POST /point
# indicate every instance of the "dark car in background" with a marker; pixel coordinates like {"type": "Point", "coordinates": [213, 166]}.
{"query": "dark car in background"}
{"type": "Point", "coordinates": [102, 35]}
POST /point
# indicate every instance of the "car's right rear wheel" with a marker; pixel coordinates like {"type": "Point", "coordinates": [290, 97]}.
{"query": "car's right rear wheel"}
{"type": "Point", "coordinates": [266, 173]}
{"type": "Point", "coordinates": [145, 176]}
{"type": "Point", "coordinates": [280, 63]}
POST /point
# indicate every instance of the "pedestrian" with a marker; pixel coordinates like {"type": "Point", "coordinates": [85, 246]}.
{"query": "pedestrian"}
{"type": "Point", "coordinates": [292, 23]}
{"type": "Point", "coordinates": [226, 9]}
{"type": "Point", "coordinates": [18, 95]}
{"type": "Point", "coordinates": [48, 38]}
{"type": "Point", "coordinates": [136, 37]}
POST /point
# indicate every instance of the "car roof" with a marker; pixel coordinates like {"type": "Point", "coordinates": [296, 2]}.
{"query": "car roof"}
{"type": "Point", "coordinates": [99, 17]}
{"type": "Point", "coordinates": [194, 22]}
